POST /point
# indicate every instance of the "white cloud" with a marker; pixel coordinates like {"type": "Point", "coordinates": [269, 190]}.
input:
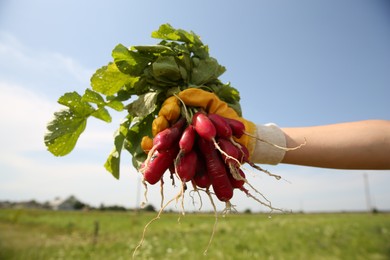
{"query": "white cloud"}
{"type": "Point", "coordinates": [27, 169]}
{"type": "Point", "coordinates": [24, 116]}
{"type": "Point", "coordinates": [43, 71]}
{"type": "Point", "coordinates": [47, 177]}
{"type": "Point", "coordinates": [30, 83]}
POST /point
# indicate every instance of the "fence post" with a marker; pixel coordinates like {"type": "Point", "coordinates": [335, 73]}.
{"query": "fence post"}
{"type": "Point", "coordinates": [95, 233]}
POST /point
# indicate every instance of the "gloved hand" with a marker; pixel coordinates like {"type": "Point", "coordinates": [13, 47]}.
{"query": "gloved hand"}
{"type": "Point", "coordinates": [259, 151]}
{"type": "Point", "coordinates": [168, 114]}
{"type": "Point", "coordinates": [211, 103]}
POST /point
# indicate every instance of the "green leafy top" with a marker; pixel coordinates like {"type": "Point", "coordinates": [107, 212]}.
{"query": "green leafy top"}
{"type": "Point", "coordinates": [142, 76]}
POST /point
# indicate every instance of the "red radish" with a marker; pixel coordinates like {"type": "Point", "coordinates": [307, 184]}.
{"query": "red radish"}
{"type": "Point", "coordinates": [248, 194]}
{"type": "Point", "coordinates": [216, 170]}
{"type": "Point", "coordinates": [221, 125]}
{"type": "Point", "coordinates": [186, 142]}
{"type": "Point", "coordinates": [203, 126]}
{"type": "Point", "coordinates": [205, 129]}
{"type": "Point", "coordinates": [237, 183]}
{"type": "Point", "coordinates": [238, 127]}
{"type": "Point", "coordinates": [187, 139]}
{"type": "Point", "coordinates": [245, 153]}
{"type": "Point", "coordinates": [186, 166]}
{"type": "Point", "coordinates": [234, 154]}
{"type": "Point", "coordinates": [166, 138]}
{"type": "Point", "coordinates": [245, 158]}
{"type": "Point", "coordinates": [201, 178]}
{"type": "Point", "coordinates": [158, 164]}
{"type": "Point", "coordinates": [172, 173]}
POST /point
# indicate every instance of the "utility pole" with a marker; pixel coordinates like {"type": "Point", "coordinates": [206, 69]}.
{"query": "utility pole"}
{"type": "Point", "coordinates": [138, 195]}
{"type": "Point", "coordinates": [367, 191]}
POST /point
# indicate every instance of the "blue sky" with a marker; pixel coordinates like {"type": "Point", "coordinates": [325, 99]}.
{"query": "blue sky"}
{"type": "Point", "coordinates": [295, 63]}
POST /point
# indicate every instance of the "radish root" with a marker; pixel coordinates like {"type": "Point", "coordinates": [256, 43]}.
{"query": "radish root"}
{"type": "Point", "coordinates": [162, 192]}
{"type": "Point", "coordinates": [186, 113]}
{"type": "Point", "coordinates": [237, 176]}
{"type": "Point", "coordinates": [268, 205]}
{"type": "Point", "coordinates": [275, 145]}
{"type": "Point", "coordinates": [215, 222]}
{"type": "Point", "coordinates": [152, 220]}
{"type": "Point", "coordinates": [227, 156]}
{"type": "Point", "coordinates": [145, 193]}
{"type": "Point", "coordinates": [278, 177]}
{"type": "Point", "coordinates": [195, 189]}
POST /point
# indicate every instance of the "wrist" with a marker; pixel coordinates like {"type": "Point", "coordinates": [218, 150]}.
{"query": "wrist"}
{"type": "Point", "coordinates": [264, 152]}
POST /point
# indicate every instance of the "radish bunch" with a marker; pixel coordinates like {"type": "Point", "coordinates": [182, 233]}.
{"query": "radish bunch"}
{"type": "Point", "coordinates": [202, 152]}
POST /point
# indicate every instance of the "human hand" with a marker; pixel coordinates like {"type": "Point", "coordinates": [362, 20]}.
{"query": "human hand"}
{"type": "Point", "coordinates": [265, 143]}
{"type": "Point", "coordinates": [211, 104]}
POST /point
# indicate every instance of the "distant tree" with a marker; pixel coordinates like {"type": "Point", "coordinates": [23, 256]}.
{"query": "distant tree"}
{"type": "Point", "coordinates": [248, 211]}
{"type": "Point", "coordinates": [79, 205]}
{"type": "Point", "coordinates": [149, 208]}
{"type": "Point", "coordinates": [46, 205]}
{"type": "Point", "coordinates": [112, 207]}
{"type": "Point", "coordinates": [115, 208]}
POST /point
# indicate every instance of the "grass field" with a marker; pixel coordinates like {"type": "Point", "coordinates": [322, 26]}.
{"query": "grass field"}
{"type": "Point", "coordinates": [41, 234]}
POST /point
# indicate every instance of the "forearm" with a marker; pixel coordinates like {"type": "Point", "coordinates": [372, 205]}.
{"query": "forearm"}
{"type": "Point", "coordinates": [355, 145]}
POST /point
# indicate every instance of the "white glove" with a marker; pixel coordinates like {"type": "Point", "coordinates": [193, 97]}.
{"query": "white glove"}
{"type": "Point", "coordinates": [267, 151]}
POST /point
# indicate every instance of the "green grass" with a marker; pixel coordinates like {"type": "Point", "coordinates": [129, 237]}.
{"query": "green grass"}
{"type": "Point", "coordinates": [39, 234]}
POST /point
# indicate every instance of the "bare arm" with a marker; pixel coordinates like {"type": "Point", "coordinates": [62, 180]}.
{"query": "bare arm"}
{"type": "Point", "coordinates": [355, 145]}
